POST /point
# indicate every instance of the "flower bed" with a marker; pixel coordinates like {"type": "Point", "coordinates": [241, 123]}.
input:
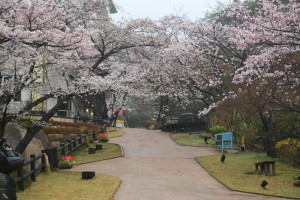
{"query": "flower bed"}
{"type": "Point", "coordinates": [66, 162]}
{"type": "Point", "coordinates": [103, 137]}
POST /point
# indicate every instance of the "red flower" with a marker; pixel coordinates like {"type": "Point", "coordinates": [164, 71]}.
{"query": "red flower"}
{"type": "Point", "coordinates": [68, 158]}
{"type": "Point", "coordinates": [103, 135]}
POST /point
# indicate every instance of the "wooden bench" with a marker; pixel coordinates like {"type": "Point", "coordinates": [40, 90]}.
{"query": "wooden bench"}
{"type": "Point", "coordinates": [264, 167]}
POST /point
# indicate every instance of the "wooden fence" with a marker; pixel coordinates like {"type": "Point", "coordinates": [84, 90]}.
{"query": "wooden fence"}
{"type": "Point", "coordinates": [53, 157]}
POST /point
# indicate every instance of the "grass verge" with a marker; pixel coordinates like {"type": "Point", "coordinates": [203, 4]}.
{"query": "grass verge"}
{"type": "Point", "coordinates": [115, 132]}
{"type": "Point", "coordinates": [69, 185]}
{"type": "Point", "coordinates": [108, 151]}
{"type": "Point", "coordinates": [238, 173]}
{"type": "Point", "coordinates": [192, 139]}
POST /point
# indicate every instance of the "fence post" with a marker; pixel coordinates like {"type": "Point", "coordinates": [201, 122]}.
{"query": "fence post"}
{"type": "Point", "coordinates": [52, 156]}
{"type": "Point", "coordinates": [80, 139]}
{"type": "Point", "coordinates": [55, 159]}
{"type": "Point", "coordinates": [74, 143]}
{"type": "Point", "coordinates": [62, 145]}
{"type": "Point", "coordinates": [43, 160]}
{"type": "Point", "coordinates": [20, 175]}
{"type": "Point", "coordinates": [94, 135]}
{"type": "Point", "coordinates": [69, 145]}
{"type": "Point", "coordinates": [33, 168]}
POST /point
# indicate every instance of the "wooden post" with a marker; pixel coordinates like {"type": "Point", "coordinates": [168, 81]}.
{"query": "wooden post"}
{"type": "Point", "coordinates": [273, 168]}
{"type": "Point", "coordinates": [20, 175]}
{"type": "Point", "coordinates": [256, 167]}
{"type": "Point", "coordinates": [80, 139]}
{"type": "Point", "coordinates": [74, 143]}
{"type": "Point", "coordinates": [69, 145]}
{"type": "Point", "coordinates": [62, 145]}
{"type": "Point", "coordinates": [94, 135]}
{"type": "Point", "coordinates": [267, 169]}
{"type": "Point", "coordinates": [33, 168]}
{"type": "Point", "coordinates": [43, 160]}
{"type": "Point", "coordinates": [55, 159]}
{"type": "Point", "coordinates": [49, 153]}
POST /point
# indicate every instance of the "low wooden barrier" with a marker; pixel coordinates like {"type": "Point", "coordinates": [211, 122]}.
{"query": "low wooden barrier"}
{"type": "Point", "coordinates": [53, 157]}
{"type": "Point", "coordinates": [32, 172]}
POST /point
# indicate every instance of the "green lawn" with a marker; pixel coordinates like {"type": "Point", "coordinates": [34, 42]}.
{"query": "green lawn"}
{"type": "Point", "coordinates": [115, 132]}
{"type": "Point", "coordinates": [69, 185]}
{"type": "Point", "coordinates": [108, 151]}
{"type": "Point", "coordinates": [238, 173]}
{"type": "Point", "coordinates": [192, 139]}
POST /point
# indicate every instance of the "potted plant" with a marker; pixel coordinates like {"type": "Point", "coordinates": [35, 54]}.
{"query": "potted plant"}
{"type": "Point", "coordinates": [66, 162]}
{"type": "Point", "coordinates": [151, 124]}
{"type": "Point", "coordinates": [103, 137]}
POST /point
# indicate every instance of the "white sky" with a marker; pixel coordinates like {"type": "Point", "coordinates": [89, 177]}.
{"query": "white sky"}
{"type": "Point", "coordinates": [156, 9]}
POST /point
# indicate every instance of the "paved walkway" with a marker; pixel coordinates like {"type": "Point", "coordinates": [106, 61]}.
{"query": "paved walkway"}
{"type": "Point", "coordinates": [156, 168]}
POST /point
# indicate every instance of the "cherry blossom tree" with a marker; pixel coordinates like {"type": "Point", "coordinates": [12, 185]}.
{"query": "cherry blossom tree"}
{"type": "Point", "coordinates": [31, 32]}
{"type": "Point", "coordinates": [252, 43]}
{"type": "Point", "coordinates": [272, 31]}
{"type": "Point", "coordinates": [84, 48]}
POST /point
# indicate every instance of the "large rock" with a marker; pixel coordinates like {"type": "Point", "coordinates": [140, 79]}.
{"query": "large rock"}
{"type": "Point", "coordinates": [14, 134]}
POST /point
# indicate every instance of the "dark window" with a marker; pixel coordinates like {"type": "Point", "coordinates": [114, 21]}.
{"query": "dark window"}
{"type": "Point", "coordinates": [17, 96]}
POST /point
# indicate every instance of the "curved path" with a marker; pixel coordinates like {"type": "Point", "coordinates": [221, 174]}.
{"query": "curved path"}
{"type": "Point", "coordinates": [156, 168]}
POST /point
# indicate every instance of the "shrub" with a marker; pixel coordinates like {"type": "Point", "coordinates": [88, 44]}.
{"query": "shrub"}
{"type": "Point", "coordinates": [289, 151]}
{"type": "Point", "coordinates": [217, 129]}
{"type": "Point", "coordinates": [61, 130]}
{"type": "Point", "coordinates": [89, 127]}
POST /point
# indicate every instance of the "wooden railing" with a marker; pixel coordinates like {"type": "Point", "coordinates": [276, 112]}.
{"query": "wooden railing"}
{"type": "Point", "coordinates": [53, 157]}
{"type": "Point", "coordinates": [32, 172]}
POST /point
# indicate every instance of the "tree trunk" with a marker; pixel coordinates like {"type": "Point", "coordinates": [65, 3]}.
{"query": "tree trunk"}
{"type": "Point", "coordinates": [32, 131]}
{"type": "Point", "coordinates": [100, 110]}
{"type": "Point", "coordinates": [160, 109]}
{"type": "Point", "coordinates": [2, 128]}
{"type": "Point", "coordinates": [8, 118]}
{"type": "Point", "coordinates": [270, 145]}
{"type": "Point", "coordinates": [268, 137]}
{"type": "Point", "coordinates": [3, 121]}
{"type": "Point", "coordinates": [163, 103]}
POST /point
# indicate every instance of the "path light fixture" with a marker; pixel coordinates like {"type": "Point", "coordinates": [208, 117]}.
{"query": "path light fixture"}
{"type": "Point", "coordinates": [223, 158]}
{"type": "Point", "coordinates": [205, 139]}
{"type": "Point", "coordinates": [243, 148]}
{"type": "Point", "coordinates": [264, 184]}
